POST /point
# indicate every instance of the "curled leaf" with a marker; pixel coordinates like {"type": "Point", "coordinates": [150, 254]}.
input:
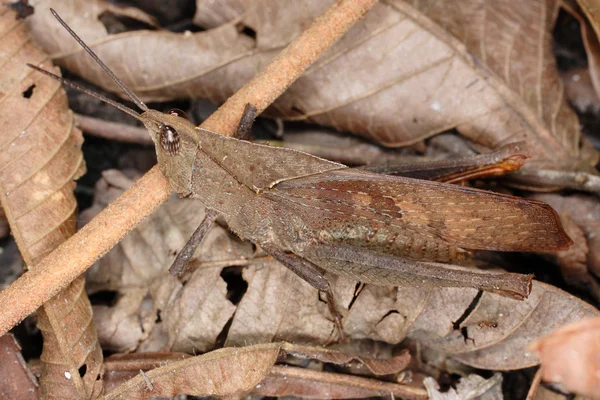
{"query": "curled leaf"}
{"type": "Point", "coordinates": [569, 357]}
{"type": "Point", "coordinates": [40, 159]}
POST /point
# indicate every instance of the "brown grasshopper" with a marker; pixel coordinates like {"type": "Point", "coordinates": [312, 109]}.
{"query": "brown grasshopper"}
{"type": "Point", "coordinates": [312, 214]}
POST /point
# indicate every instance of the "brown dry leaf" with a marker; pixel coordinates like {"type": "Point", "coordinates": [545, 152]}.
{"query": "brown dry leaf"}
{"type": "Point", "coordinates": [299, 382]}
{"type": "Point", "coordinates": [402, 74]}
{"type": "Point", "coordinates": [16, 380]}
{"type": "Point", "coordinates": [573, 262]}
{"type": "Point", "coordinates": [279, 306]}
{"type": "Point", "coordinates": [469, 388]}
{"type": "Point", "coordinates": [218, 373]}
{"type": "Point", "coordinates": [499, 329]}
{"type": "Point", "coordinates": [377, 366]}
{"type": "Point", "coordinates": [40, 160]}
{"type": "Point", "coordinates": [569, 357]}
{"type": "Point", "coordinates": [580, 90]}
{"type": "Point", "coordinates": [590, 32]}
{"type": "Point", "coordinates": [281, 380]}
{"type": "Point", "coordinates": [584, 211]}
{"type": "Point", "coordinates": [122, 367]}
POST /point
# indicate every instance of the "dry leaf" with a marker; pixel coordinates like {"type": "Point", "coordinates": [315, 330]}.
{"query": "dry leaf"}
{"type": "Point", "coordinates": [122, 367]}
{"type": "Point", "coordinates": [377, 366]}
{"type": "Point", "coordinates": [40, 159]}
{"type": "Point", "coordinates": [573, 262]}
{"type": "Point", "coordinates": [569, 357]}
{"type": "Point", "coordinates": [469, 388]}
{"type": "Point", "coordinates": [298, 382]}
{"type": "Point", "coordinates": [584, 210]}
{"type": "Point", "coordinates": [402, 74]}
{"type": "Point", "coordinates": [590, 31]}
{"type": "Point", "coordinates": [16, 380]}
{"type": "Point", "coordinates": [580, 91]}
{"type": "Point", "coordinates": [219, 373]}
{"type": "Point", "coordinates": [281, 380]}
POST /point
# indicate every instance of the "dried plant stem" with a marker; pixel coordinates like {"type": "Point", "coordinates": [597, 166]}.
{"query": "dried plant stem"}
{"type": "Point", "coordinates": [535, 384]}
{"type": "Point", "coordinates": [113, 130]}
{"type": "Point", "coordinates": [75, 256]}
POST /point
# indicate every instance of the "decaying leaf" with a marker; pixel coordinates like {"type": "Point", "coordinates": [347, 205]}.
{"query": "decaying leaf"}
{"type": "Point", "coordinates": [280, 381]}
{"type": "Point", "coordinates": [404, 73]}
{"type": "Point", "coordinates": [469, 388]}
{"type": "Point", "coordinates": [16, 380]}
{"type": "Point", "coordinates": [590, 32]}
{"type": "Point", "coordinates": [584, 211]}
{"type": "Point", "coordinates": [40, 160]}
{"type": "Point", "coordinates": [219, 373]}
{"type": "Point", "coordinates": [301, 382]}
{"type": "Point", "coordinates": [569, 357]}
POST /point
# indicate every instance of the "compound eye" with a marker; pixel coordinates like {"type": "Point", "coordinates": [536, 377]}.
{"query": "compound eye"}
{"type": "Point", "coordinates": [169, 140]}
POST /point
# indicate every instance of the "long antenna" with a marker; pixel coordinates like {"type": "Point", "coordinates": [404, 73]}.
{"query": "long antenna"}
{"type": "Point", "coordinates": [89, 92]}
{"type": "Point", "coordinates": [128, 91]}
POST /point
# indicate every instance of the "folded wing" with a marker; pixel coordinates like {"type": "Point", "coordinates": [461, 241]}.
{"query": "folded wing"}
{"type": "Point", "coordinates": [373, 210]}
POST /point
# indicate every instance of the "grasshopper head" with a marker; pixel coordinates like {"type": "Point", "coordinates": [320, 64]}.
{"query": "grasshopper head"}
{"type": "Point", "coordinates": [176, 143]}
{"type": "Point", "coordinates": [175, 138]}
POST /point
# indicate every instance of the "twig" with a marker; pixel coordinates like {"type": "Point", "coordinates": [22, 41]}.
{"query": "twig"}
{"type": "Point", "coordinates": [76, 255]}
{"type": "Point", "coordinates": [113, 130]}
{"type": "Point", "coordinates": [535, 384]}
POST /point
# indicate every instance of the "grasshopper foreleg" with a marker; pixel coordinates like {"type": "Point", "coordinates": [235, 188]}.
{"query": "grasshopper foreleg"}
{"type": "Point", "coordinates": [183, 258]}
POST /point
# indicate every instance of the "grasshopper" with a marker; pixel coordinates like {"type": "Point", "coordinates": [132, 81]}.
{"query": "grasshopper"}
{"type": "Point", "coordinates": [312, 214]}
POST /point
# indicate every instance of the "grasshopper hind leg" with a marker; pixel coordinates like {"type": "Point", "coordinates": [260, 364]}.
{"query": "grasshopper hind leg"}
{"type": "Point", "coordinates": [311, 274]}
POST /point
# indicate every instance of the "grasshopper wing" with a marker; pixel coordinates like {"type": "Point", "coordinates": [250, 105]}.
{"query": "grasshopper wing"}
{"type": "Point", "coordinates": [413, 218]}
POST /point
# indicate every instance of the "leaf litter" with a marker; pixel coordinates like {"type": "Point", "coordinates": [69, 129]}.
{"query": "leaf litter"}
{"type": "Point", "coordinates": [40, 160]}
{"type": "Point", "coordinates": [156, 312]}
{"type": "Point", "coordinates": [491, 87]}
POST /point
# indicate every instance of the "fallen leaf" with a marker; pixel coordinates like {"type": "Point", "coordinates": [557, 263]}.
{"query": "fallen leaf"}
{"type": "Point", "coordinates": [498, 329]}
{"type": "Point", "coordinates": [16, 380]}
{"type": "Point", "coordinates": [584, 211]}
{"type": "Point", "coordinates": [580, 91]}
{"type": "Point", "coordinates": [590, 31]}
{"type": "Point", "coordinates": [573, 262]}
{"type": "Point", "coordinates": [218, 373]}
{"type": "Point", "coordinates": [547, 394]}
{"type": "Point", "coordinates": [281, 380]}
{"type": "Point", "coordinates": [378, 81]}
{"type": "Point", "coordinates": [569, 357]}
{"type": "Point", "coordinates": [300, 382]}
{"type": "Point", "coordinates": [377, 366]}
{"type": "Point", "coordinates": [40, 160]}
{"type": "Point", "coordinates": [469, 388]}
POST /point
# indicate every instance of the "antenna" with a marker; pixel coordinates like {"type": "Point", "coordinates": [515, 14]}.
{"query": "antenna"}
{"type": "Point", "coordinates": [88, 92]}
{"type": "Point", "coordinates": [128, 91]}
